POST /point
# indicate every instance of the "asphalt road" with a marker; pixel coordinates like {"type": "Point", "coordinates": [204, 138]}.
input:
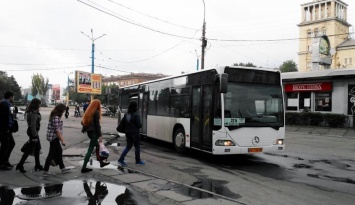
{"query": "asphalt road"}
{"type": "Point", "coordinates": [317, 167]}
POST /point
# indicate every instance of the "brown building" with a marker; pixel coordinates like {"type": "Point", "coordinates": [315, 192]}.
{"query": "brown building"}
{"type": "Point", "coordinates": [130, 79]}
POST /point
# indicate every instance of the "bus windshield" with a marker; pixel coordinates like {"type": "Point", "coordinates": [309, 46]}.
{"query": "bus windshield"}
{"type": "Point", "coordinates": [253, 105]}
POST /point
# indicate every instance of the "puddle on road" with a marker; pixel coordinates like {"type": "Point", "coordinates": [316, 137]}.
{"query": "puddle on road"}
{"type": "Point", "coordinates": [72, 192]}
{"type": "Point", "coordinates": [214, 186]}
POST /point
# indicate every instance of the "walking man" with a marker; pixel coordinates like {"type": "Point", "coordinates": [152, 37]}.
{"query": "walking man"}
{"type": "Point", "coordinates": [6, 138]}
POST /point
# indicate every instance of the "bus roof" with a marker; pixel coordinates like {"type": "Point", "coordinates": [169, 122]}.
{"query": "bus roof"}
{"type": "Point", "coordinates": [219, 69]}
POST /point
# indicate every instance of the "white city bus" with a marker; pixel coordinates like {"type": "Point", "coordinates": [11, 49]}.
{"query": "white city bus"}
{"type": "Point", "coordinates": [227, 110]}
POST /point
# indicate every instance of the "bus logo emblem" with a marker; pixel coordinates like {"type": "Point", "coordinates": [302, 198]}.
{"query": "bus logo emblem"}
{"type": "Point", "coordinates": [256, 140]}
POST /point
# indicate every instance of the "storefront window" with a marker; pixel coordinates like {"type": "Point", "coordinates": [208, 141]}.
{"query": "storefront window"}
{"type": "Point", "coordinates": [292, 101]}
{"type": "Point", "coordinates": [305, 101]}
{"type": "Point", "coordinates": [323, 101]}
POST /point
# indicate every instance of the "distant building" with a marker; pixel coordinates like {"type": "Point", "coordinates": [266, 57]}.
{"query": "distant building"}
{"type": "Point", "coordinates": [131, 79]}
{"type": "Point", "coordinates": [329, 18]}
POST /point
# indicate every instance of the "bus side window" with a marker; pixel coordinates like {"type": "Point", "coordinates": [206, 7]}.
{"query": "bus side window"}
{"type": "Point", "coordinates": [185, 107]}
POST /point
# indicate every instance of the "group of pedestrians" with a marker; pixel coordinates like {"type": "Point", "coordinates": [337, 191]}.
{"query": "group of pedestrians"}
{"type": "Point", "coordinates": [91, 124]}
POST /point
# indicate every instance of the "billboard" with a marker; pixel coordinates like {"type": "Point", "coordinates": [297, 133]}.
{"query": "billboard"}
{"type": "Point", "coordinates": [88, 82]}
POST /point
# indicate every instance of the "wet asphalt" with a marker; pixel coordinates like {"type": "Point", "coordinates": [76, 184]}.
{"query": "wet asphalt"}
{"type": "Point", "coordinates": [108, 185]}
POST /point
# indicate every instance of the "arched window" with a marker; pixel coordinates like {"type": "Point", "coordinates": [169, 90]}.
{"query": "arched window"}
{"type": "Point", "coordinates": [324, 31]}
{"type": "Point", "coordinates": [315, 32]}
{"type": "Point", "coordinates": [309, 34]}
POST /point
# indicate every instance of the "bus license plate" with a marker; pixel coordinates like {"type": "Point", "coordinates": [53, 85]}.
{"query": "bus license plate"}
{"type": "Point", "coordinates": [255, 149]}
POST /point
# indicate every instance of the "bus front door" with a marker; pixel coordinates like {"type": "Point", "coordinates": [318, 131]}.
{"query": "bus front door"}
{"type": "Point", "coordinates": [201, 131]}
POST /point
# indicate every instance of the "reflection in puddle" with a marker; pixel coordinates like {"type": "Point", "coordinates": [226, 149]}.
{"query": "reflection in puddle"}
{"type": "Point", "coordinates": [211, 186]}
{"type": "Point", "coordinates": [72, 192]}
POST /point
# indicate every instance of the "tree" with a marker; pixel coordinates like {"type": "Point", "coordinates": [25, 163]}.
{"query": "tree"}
{"type": "Point", "coordinates": [288, 66]}
{"type": "Point", "coordinates": [39, 86]}
{"type": "Point", "coordinates": [248, 64]}
{"type": "Point", "coordinates": [9, 83]}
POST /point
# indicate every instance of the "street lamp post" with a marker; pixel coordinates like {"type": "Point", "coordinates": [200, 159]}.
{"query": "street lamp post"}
{"type": "Point", "coordinates": [68, 87]}
{"type": "Point", "coordinates": [203, 39]}
{"type": "Point", "coordinates": [197, 59]}
{"type": "Point", "coordinates": [92, 51]}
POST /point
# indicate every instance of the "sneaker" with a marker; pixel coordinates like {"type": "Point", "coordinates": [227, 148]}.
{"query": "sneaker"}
{"type": "Point", "coordinates": [122, 163]}
{"type": "Point", "coordinates": [140, 163]}
{"type": "Point", "coordinates": [64, 170]}
{"type": "Point", "coordinates": [84, 170]}
{"type": "Point", "coordinates": [102, 164]}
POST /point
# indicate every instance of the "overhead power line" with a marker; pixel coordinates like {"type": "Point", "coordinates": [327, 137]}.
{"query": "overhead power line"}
{"type": "Point", "coordinates": [142, 26]}
{"type": "Point", "coordinates": [31, 64]}
{"type": "Point", "coordinates": [210, 39]}
{"type": "Point", "coordinates": [61, 68]}
{"type": "Point", "coordinates": [150, 16]}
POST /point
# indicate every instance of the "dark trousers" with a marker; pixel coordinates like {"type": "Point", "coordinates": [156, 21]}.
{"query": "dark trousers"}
{"type": "Point", "coordinates": [132, 140]}
{"type": "Point", "coordinates": [7, 145]}
{"type": "Point", "coordinates": [55, 153]}
{"type": "Point", "coordinates": [34, 147]}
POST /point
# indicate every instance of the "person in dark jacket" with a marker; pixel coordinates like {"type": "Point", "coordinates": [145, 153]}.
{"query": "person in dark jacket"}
{"type": "Point", "coordinates": [67, 111]}
{"type": "Point", "coordinates": [91, 122]}
{"type": "Point", "coordinates": [86, 105]}
{"type": "Point", "coordinates": [132, 125]}
{"type": "Point", "coordinates": [34, 124]}
{"type": "Point", "coordinates": [6, 139]}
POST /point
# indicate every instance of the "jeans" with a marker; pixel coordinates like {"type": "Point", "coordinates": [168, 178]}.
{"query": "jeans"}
{"type": "Point", "coordinates": [132, 140]}
{"type": "Point", "coordinates": [93, 143]}
{"type": "Point", "coordinates": [7, 145]}
{"type": "Point", "coordinates": [56, 153]}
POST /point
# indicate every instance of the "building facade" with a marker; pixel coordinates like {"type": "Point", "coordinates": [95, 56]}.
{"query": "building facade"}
{"type": "Point", "coordinates": [325, 17]}
{"type": "Point", "coordinates": [325, 82]}
{"type": "Point", "coordinates": [131, 79]}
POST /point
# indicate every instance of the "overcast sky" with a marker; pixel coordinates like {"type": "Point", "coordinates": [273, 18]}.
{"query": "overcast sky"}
{"type": "Point", "coordinates": [151, 36]}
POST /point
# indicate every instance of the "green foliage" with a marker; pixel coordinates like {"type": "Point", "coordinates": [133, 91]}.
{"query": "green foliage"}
{"type": "Point", "coordinates": [8, 83]}
{"type": "Point", "coordinates": [335, 120]}
{"type": "Point", "coordinates": [315, 119]}
{"type": "Point", "coordinates": [293, 118]}
{"type": "Point", "coordinates": [39, 86]}
{"type": "Point", "coordinates": [248, 64]}
{"type": "Point", "coordinates": [111, 98]}
{"type": "Point", "coordinates": [288, 66]}
{"type": "Point", "coordinates": [77, 97]}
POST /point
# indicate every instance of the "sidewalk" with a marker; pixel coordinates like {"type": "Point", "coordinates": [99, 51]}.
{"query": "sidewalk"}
{"type": "Point", "coordinates": [326, 131]}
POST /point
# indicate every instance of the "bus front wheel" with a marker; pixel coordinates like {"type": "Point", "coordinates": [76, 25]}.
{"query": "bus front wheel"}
{"type": "Point", "coordinates": [179, 140]}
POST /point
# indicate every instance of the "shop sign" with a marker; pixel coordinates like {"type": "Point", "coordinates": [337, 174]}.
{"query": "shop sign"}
{"type": "Point", "coordinates": [308, 87]}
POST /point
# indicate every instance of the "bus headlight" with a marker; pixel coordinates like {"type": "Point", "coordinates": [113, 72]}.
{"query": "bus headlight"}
{"type": "Point", "coordinates": [279, 142]}
{"type": "Point", "coordinates": [224, 143]}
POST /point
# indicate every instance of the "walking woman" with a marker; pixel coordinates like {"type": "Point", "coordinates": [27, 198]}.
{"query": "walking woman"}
{"type": "Point", "coordinates": [132, 125]}
{"type": "Point", "coordinates": [91, 121]}
{"type": "Point", "coordinates": [34, 124]}
{"type": "Point", "coordinates": [55, 137]}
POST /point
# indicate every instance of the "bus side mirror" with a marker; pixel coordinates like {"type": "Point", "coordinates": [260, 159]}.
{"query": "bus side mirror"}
{"type": "Point", "coordinates": [222, 81]}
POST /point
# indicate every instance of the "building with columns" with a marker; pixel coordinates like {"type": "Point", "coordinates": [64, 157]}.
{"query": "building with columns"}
{"type": "Point", "coordinates": [325, 82]}
{"type": "Point", "coordinates": [325, 17]}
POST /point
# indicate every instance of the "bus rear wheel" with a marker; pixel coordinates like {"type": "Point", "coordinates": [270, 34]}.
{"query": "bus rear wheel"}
{"type": "Point", "coordinates": [179, 140]}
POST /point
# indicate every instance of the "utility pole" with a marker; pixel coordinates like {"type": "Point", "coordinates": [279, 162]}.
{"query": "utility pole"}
{"type": "Point", "coordinates": [68, 87]}
{"type": "Point", "coordinates": [92, 52]}
{"type": "Point", "coordinates": [203, 39]}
